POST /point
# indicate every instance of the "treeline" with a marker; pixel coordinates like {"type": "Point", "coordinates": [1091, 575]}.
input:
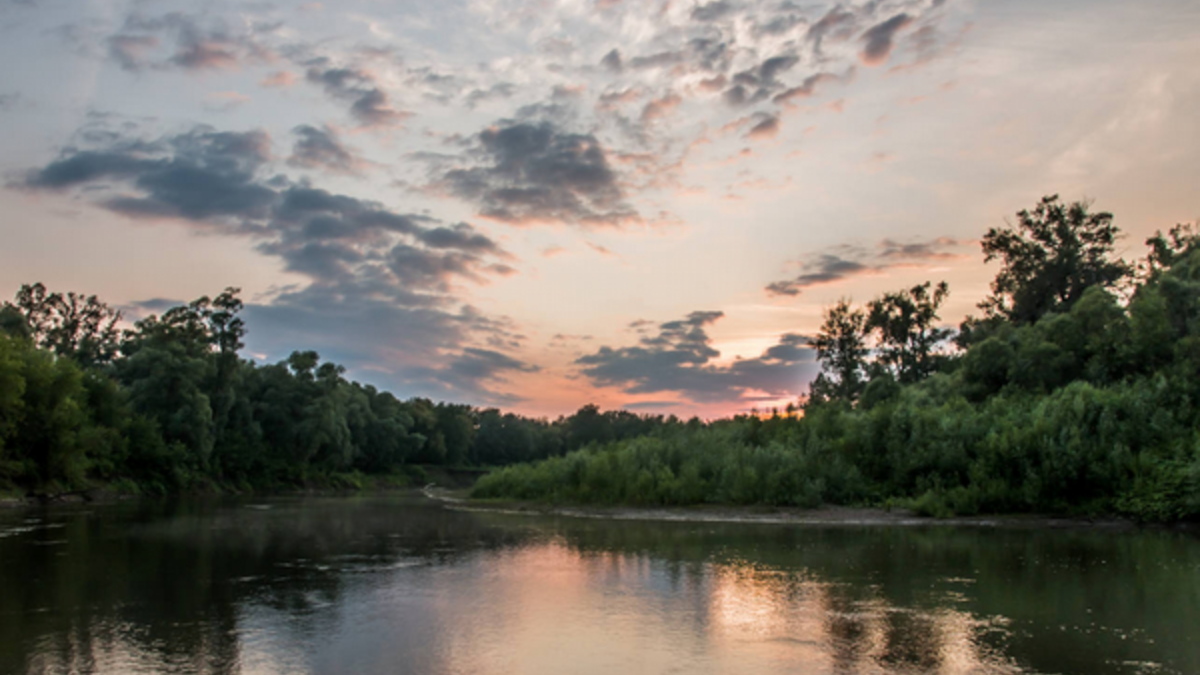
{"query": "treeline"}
{"type": "Point", "coordinates": [1075, 391]}
{"type": "Point", "coordinates": [168, 406]}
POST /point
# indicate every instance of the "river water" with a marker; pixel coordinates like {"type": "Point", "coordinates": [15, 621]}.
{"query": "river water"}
{"type": "Point", "coordinates": [399, 584]}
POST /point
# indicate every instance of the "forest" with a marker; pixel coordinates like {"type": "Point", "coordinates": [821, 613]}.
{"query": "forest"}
{"type": "Point", "coordinates": [168, 406]}
{"type": "Point", "coordinates": [1073, 392]}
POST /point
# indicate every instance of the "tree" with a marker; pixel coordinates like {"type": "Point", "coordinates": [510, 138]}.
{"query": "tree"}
{"type": "Point", "coordinates": [907, 336]}
{"type": "Point", "coordinates": [588, 425]}
{"type": "Point", "coordinates": [842, 350]}
{"type": "Point", "coordinates": [1166, 250]}
{"type": "Point", "coordinates": [1055, 253]}
{"type": "Point", "coordinates": [457, 426]}
{"type": "Point", "coordinates": [72, 325]}
{"type": "Point", "coordinates": [42, 417]}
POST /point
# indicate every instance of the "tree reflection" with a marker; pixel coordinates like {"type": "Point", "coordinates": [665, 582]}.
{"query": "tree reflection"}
{"type": "Point", "coordinates": [289, 585]}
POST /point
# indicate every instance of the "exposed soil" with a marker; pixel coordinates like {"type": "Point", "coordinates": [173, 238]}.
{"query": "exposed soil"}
{"type": "Point", "coordinates": [823, 516]}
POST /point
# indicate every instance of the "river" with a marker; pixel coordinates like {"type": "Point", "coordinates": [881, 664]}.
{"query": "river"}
{"type": "Point", "coordinates": [401, 584]}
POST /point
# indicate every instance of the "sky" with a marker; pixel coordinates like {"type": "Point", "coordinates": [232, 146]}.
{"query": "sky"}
{"type": "Point", "coordinates": [537, 205]}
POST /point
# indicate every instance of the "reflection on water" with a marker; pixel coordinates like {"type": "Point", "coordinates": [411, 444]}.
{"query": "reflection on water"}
{"type": "Point", "coordinates": [399, 585]}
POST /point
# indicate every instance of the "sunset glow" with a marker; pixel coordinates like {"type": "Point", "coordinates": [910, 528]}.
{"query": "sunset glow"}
{"type": "Point", "coordinates": [537, 205]}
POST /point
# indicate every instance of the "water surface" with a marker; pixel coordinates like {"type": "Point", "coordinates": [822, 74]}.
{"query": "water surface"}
{"type": "Point", "coordinates": [398, 584]}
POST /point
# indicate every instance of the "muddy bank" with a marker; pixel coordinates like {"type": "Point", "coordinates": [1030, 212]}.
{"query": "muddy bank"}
{"type": "Point", "coordinates": [823, 516]}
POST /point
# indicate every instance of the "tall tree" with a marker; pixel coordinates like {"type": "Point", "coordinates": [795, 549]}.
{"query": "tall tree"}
{"type": "Point", "coordinates": [908, 336]}
{"type": "Point", "coordinates": [842, 350]}
{"type": "Point", "coordinates": [72, 325]}
{"type": "Point", "coordinates": [1055, 253]}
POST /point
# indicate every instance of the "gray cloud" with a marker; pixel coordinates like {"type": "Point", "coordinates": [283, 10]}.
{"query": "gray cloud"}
{"type": "Point", "coordinates": [678, 358]}
{"type": "Point", "coordinates": [413, 351]}
{"type": "Point", "coordinates": [217, 180]}
{"type": "Point", "coordinates": [713, 11]}
{"type": "Point", "coordinates": [499, 90]}
{"type": "Point", "coordinates": [850, 261]}
{"type": "Point", "coordinates": [369, 104]}
{"type": "Point", "coordinates": [199, 175]}
{"type": "Point", "coordinates": [758, 83]}
{"type": "Point", "coordinates": [475, 369]}
{"type": "Point", "coordinates": [535, 172]}
{"type": "Point", "coordinates": [807, 87]}
{"type": "Point", "coordinates": [381, 285]}
{"type": "Point", "coordinates": [838, 23]}
{"type": "Point", "coordinates": [155, 305]}
{"type": "Point", "coordinates": [826, 268]}
{"type": "Point", "coordinates": [934, 249]}
{"type": "Point", "coordinates": [320, 148]}
{"type": "Point", "coordinates": [879, 39]}
{"type": "Point", "coordinates": [194, 44]}
{"type": "Point", "coordinates": [766, 127]}
{"type": "Point", "coordinates": [612, 60]}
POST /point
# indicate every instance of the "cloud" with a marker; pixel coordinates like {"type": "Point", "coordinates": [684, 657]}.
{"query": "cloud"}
{"type": "Point", "coordinates": [155, 304]}
{"type": "Point", "coordinates": [129, 51]}
{"type": "Point", "coordinates": [660, 107]}
{"type": "Point", "coordinates": [758, 83]}
{"type": "Point", "coordinates": [382, 284]}
{"type": "Point", "coordinates": [808, 87]}
{"type": "Point", "coordinates": [536, 172]}
{"type": "Point", "coordinates": [826, 269]}
{"type": "Point", "coordinates": [602, 250]}
{"type": "Point", "coordinates": [929, 42]}
{"type": "Point", "coordinates": [369, 104]}
{"type": "Point", "coordinates": [679, 358]}
{"type": "Point", "coordinates": [713, 11]}
{"type": "Point", "coordinates": [879, 39]}
{"type": "Point", "coordinates": [320, 148]}
{"type": "Point", "coordinates": [193, 44]}
{"type": "Point", "coordinates": [850, 261]}
{"type": "Point", "coordinates": [411, 350]}
{"type": "Point", "coordinates": [498, 90]}
{"type": "Point", "coordinates": [278, 79]}
{"type": "Point", "coordinates": [612, 60]}
{"type": "Point", "coordinates": [838, 23]}
{"type": "Point", "coordinates": [476, 369]}
{"type": "Point", "coordinates": [219, 181]}
{"type": "Point", "coordinates": [766, 128]}
{"type": "Point", "coordinates": [9, 101]}
{"type": "Point", "coordinates": [934, 249]}
{"type": "Point", "coordinates": [650, 405]}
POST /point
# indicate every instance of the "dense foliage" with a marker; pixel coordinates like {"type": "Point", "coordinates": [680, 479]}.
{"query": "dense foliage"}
{"type": "Point", "coordinates": [1076, 392]}
{"type": "Point", "coordinates": [168, 406]}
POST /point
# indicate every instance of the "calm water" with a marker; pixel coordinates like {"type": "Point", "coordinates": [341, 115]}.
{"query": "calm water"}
{"type": "Point", "coordinates": [399, 585]}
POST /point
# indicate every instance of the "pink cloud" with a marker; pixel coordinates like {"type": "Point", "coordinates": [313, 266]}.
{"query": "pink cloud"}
{"type": "Point", "coordinates": [279, 78]}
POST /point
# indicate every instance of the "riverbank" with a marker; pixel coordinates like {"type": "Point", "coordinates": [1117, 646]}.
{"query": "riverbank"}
{"type": "Point", "coordinates": [821, 516]}
{"type": "Point", "coordinates": [106, 495]}
{"type": "Point", "coordinates": [413, 478]}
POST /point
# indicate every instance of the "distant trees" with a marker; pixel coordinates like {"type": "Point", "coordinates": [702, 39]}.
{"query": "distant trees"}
{"type": "Point", "coordinates": [168, 405]}
{"type": "Point", "coordinates": [1074, 394]}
